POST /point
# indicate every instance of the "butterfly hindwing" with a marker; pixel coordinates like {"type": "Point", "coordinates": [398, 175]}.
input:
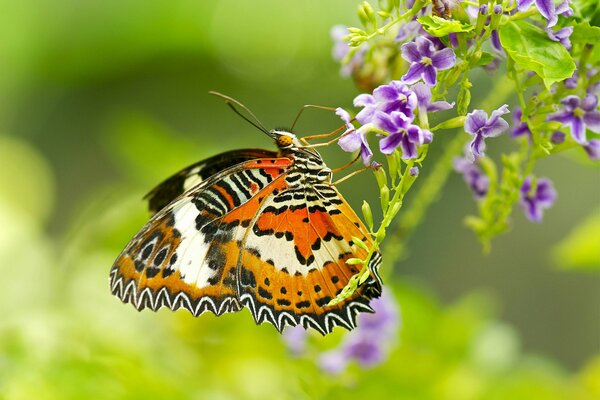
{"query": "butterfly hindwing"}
{"type": "Point", "coordinates": [177, 184]}
{"type": "Point", "coordinates": [294, 260]}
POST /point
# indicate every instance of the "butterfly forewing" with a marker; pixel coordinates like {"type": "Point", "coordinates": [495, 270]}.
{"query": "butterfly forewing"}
{"type": "Point", "coordinates": [176, 185]}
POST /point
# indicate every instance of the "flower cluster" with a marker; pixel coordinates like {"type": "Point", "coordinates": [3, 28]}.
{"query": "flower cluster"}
{"type": "Point", "coordinates": [581, 114]}
{"type": "Point", "coordinates": [368, 344]}
{"type": "Point", "coordinates": [390, 111]}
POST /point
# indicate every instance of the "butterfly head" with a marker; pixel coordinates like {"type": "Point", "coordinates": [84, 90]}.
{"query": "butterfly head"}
{"type": "Point", "coordinates": [284, 140]}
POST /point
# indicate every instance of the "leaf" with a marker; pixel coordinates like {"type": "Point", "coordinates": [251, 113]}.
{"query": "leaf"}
{"type": "Point", "coordinates": [531, 49]}
{"type": "Point", "coordinates": [580, 249]}
{"type": "Point", "coordinates": [584, 33]}
{"type": "Point", "coordinates": [439, 27]}
{"type": "Point", "coordinates": [485, 59]}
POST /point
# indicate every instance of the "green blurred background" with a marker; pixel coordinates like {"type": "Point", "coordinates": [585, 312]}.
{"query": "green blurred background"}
{"type": "Point", "coordinates": [100, 100]}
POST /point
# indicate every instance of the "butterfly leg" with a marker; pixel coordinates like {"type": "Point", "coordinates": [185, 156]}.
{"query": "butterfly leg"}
{"type": "Point", "coordinates": [350, 175]}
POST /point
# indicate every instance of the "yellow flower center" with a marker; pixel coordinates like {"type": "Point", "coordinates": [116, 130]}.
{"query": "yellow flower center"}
{"type": "Point", "coordinates": [426, 60]}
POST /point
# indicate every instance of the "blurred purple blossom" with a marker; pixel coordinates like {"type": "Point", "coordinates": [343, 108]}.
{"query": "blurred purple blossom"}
{"type": "Point", "coordinates": [562, 35]}
{"type": "Point", "coordinates": [341, 49]}
{"type": "Point", "coordinates": [370, 342]}
{"type": "Point", "coordinates": [426, 60]}
{"type": "Point", "coordinates": [481, 127]}
{"type": "Point", "coordinates": [592, 148]}
{"type": "Point", "coordinates": [477, 181]}
{"type": "Point", "coordinates": [495, 40]}
{"type": "Point", "coordinates": [295, 338]}
{"type": "Point", "coordinates": [520, 128]}
{"type": "Point", "coordinates": [402, 133]}
{"type": "Point", "coordinates": [578, 115]}
{"type": "Point", "coordinates": [557, 137]}
{"type": "Point", "coordinates": [534, 200]}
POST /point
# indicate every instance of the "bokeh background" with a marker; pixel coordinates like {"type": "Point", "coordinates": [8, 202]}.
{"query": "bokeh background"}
{"type": "Point", "coordinates": [100, 100]}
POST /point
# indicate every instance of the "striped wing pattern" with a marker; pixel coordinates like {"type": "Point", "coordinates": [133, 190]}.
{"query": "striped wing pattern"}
{"type": "Point", "coordinates": [249, 236]}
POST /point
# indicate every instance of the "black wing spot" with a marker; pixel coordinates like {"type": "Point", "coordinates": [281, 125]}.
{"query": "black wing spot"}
{"type": "Point", "coordinates": [323, 301]}
{"type": "Point", "coordinates": [267, 282]}
{"type": "Point", "coordinates": [317, 288]}
{"type": "Point", "coordinates": [283, 302]}
{"type": "Point", "coordinates": [303, 304]}
{"type": "Point", "coordinates": [264, 293]}
{"type": "Point", "coordinates": [247, 278]}
{"type": "Point", "coordinates": [335, 279]}
{"type": "Point", "coordinates": [160, 257]}
{"type": "Point", "coordinates": [152, 272]}
{"type": "Point", "coordinates": [283, 290]}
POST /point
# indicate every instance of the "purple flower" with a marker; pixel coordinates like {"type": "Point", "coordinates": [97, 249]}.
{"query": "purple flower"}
{"type": "Point", "coordinates": [480, 126]}
{"type": "Point", "coordinates": [369, 343]}
{"type": "Point", "coordinates": [535, 200]}
{"type": "Point", "coordinates": [592, 148]}
{"type": "Point", "coordinates": [396, 96]}
{"type": "Point", "coordinates": [571, 83]}
{"type": "Point", "coordinates": [495, 40]}
{"type": "Point", "coordinates": [423, 93]}
{"type": "Point", "coordinates": [579, 114]}
{"type": "Point", "coordinates": [353, 139]}
{"type": "Point", "coordinates": [475, 179]}
{"type": "Point", "coordinates": [562, 36]}
{"type": "Point", "coordinates": [520, 128]}
{"type": "Point", "coordinates": [545, 7]}
{"type": "Point", "coordinates": [557, 137]}
{"type": "Point", "coordinates": [409, 30]}
{"type": "Point", "coordinates": [341, 49]}
{"type": "Point", "coordinates": [402, 133]}
{"type": "Point", "coordinates": [295, 339]}
{"type": "Point", "coordinates": [426, 60]}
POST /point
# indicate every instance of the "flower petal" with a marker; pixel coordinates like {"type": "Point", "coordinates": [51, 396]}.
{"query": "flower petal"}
{"type": "Point", "coordinates": [440, 106]}
{"type": "Point", "coordinates": [410, 52]}
{"type": "Point", "coordinates": [477, 146]}
{"type": "Point", "coordinates": [475, 121]}
{"type": "Point", "coordinates": [589, 102]}
{"type": "Point", "coordinates": [592, 120]}
{"type": "Point", "coordinates": [409, 150]}
{"type": "Point", "coordinates": [388, 144]}
{"type": "Point", "coordinates": [429, 75]}
{"type": "Point", "coordinates": [343, 114]}
{"type": "Point", "coordinates": [350, 142]}
{"type": "Point", "coordinates": [592, 148]}
{"type": "Point", "coordinates": [548, 11]}
{"type": "Point", "coordinates": [364, 100]}
{"type": "Point", "coordinates": [414, 73]}
{"type": "Point", "coordinates": [523, 5]}
{"type": "Point", "coordinates": [443, 59]}
{"type": "Point", "coordinates": [571, 102]}
{"type": "Point", "coordinates": [385, 93]}
{"type": "Point", "coordinates": [495, 128]}
{"type": "Point", "coordinates": [385, 122]}
{"type": "Point", "coordinates": [578, 129]}
{"type": "Point", "coordinates": [423, 93]}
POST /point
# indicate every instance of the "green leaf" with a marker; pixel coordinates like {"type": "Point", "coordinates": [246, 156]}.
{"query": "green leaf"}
{"type": "Point", "coordinates": [439, 27]}
{"type": "Point", "coordinates": [580, 250]}
{"type": "Point", "coordinates": [531, 49]}
{"type": "Point", "coordinates": [485, 59]}
{"type": "Point", "coordinates": [584, 33]}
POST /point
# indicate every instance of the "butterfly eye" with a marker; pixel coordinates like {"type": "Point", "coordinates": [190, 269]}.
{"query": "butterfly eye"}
{"type": "Point", "coordinates": [284, 141]}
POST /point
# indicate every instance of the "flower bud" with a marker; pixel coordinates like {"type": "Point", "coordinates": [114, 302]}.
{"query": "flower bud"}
{"type": "Point", "coordinates": [367, 215]}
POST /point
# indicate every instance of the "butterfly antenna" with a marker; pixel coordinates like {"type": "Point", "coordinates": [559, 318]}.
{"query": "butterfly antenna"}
{"type": "Point", "coordinates": [230, 101]}
{"type": "Point", "coordinates": [309, 106]}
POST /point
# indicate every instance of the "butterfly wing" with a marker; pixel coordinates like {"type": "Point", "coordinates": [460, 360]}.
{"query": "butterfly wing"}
{"type": "Point", "coordinates": [176, 185]}
{"type": "Point", "coordinates": [244, 237]}
{"type": "Point", "coordinates": [186, 256]}
{"type": "Point", "coordinates": [293, 261]}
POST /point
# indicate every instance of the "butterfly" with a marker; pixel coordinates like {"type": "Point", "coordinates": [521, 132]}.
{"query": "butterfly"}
{"type": "Point", "coordinates": [260, 229]}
